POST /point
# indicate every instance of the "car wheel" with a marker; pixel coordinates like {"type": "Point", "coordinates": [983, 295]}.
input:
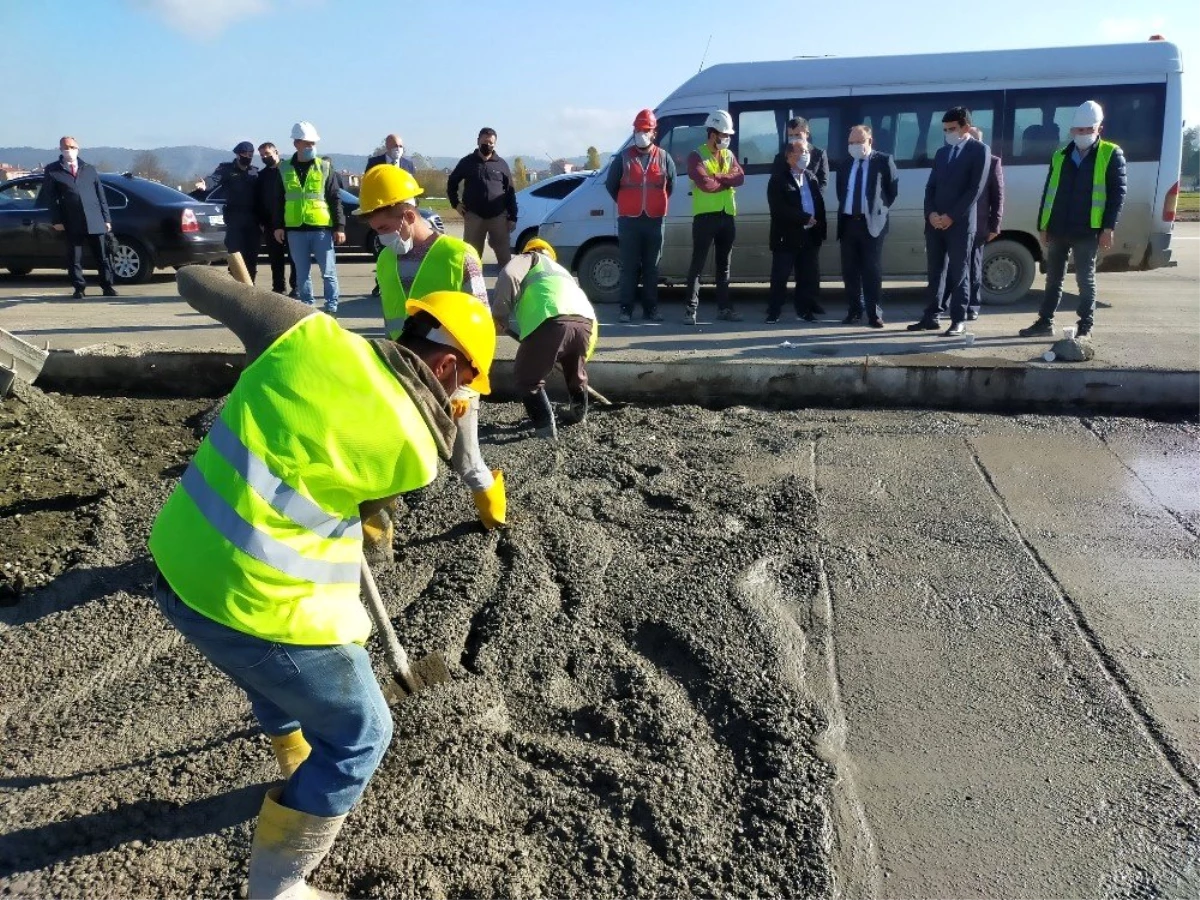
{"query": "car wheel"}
{"type": "Point", "coordinates": [526, 236]}
{"type": "Point", "coordinates": [600, 273]}
{"type": "Point", "coordinates": [1008, 272]}
{"type": "Point", "coordinates": [131, 262]}
{"type": "Point", "coordinates": [20, 271]}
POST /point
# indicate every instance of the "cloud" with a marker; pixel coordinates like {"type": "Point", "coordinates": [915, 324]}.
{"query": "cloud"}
{"type": "Point", "coordinates": [1131, 28]}
{"type": "Point", "coordinates": [202, 20]}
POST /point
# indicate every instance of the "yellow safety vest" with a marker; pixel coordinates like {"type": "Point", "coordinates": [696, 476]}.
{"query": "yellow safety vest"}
{"type": "Point", "coordinates": [721, 201]}
{"type": "Point", "coordinates": [304, 203]}
{"type": "Point", "coordinates": [262, 534]}
{"type": "Point", "coordinates": [549, 290]}
{"type": "Point", "coordinates": [440, 270]}
{"type": "Point", "coordinates": [1104, 153]}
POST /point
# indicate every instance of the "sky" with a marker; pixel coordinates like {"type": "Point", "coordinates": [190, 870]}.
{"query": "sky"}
{"type": "Point", "coordinates": [153, 73]}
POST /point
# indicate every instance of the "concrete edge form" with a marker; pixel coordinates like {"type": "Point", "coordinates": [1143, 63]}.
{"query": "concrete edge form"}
{"type": "Point", "coordinates": [1054, 388]}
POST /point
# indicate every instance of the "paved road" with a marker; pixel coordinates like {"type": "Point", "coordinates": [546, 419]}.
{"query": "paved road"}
{"type": "Point", "coordinates": [1152, 320]}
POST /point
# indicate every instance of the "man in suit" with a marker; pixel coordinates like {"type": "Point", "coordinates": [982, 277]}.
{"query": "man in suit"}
{"type": "Point", "coordinates": [818, 162]}
{"type": "Point", "coordinates": [72, 191]}
{"type": "Point", "coordinates": [797, 231]}
{"type": "Point", "coordinates": [866, 190]}
{"type": "Point", "coordinates": [958, 178]}
{"type": "Point", "coordinates": [989, 212]}
{"type": "Point", "coordinates": [393, 155]}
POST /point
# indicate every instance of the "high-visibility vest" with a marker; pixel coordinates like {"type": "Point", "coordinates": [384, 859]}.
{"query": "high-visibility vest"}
{"type": "Point", "coordinates": [1104, 153]}
{"type": "Point", "coordinates": [440, 270]}
{"type": "Point", "coordinates": [643, 188]}
{"type": "Point", "coordinates": [721, 201]}
{"type": "Point", "coordinates": [304, 203]}
{"type": "Point", "coordinates": [262, 534]}
{"type": "Point", "coordinates": [549, 290]}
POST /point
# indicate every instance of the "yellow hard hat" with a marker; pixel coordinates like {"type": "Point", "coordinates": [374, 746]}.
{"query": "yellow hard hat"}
{"type": "Point", "coordinates": [542, 246]}
{"type": "Point", "coordinates": [385, 186]}
{"type": "Point", "coordinates": [468, 323]}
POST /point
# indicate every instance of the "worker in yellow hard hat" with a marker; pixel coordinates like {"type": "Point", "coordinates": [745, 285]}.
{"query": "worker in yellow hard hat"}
{"type": "Point", "coordinates": [556, 325]}
{"type": "Point", "coordinates": [258, 548]}
{"type": "Point", "coordinates": [416, 260]}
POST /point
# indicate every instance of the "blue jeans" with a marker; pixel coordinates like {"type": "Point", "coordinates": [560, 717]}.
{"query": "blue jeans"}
{"type": "Point", "coordinates": [329, 692]}
{"type": "Point", "coordinates": [639, 243]}
{"type": "Point", "coordinates": [1084, 248]}
{"type": "Point", "coordinates": [304, 246]}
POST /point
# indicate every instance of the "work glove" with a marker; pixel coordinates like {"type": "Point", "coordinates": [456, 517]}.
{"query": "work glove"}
{"type": "Point", "coordinates": [378, 533]}
{"type": "Point", "coordinates": [491, 503]}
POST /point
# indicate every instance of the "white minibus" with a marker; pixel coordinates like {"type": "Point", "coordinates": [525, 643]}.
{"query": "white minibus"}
{"type": "Point", "coordinates": [1023, 101]}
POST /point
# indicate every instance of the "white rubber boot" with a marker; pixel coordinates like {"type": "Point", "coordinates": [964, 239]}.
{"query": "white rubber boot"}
{"type": "Point", "coordinates": [288, 845]}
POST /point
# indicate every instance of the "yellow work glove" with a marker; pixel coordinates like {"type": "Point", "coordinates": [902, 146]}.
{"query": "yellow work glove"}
{"type": "Point", "coordinates": [491, 503]}
{"type": "Point", "coordinates": [378, 533]}
{"type": "Point", "coordinates": [458, 408]}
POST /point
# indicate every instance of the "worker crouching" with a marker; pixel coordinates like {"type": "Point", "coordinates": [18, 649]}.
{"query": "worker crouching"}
{"type": "Point", "coordinates": [258, 548]}
{"type": "Point", "coordinates": [556, 324]}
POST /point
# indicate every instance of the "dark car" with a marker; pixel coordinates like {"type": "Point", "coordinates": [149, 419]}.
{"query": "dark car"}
{"type": "Point", "coordinates": [155, 226]}
{"type": "Point", "coordinates": [360, 237]}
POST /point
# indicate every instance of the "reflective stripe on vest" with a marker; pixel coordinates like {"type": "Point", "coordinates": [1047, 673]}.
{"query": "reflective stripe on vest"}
{"type": "Point", "coordinates": [262, 534]}
{"type": "Point", "coordinates": [722, 200]}
{"type": "Point", "coordinates": [550, 290]}
{"type": "Point", "coordinates": [440, 270]}
{"type": "Point", "coordinates": [643, 188]}
{"type": "Point", "coordinates": [1104, 153]}
{"type": "Point", "coordinates": [304, 203]}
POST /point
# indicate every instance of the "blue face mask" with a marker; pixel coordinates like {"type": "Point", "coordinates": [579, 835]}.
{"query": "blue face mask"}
{"type": "Point", "coordinates": [306, 155]}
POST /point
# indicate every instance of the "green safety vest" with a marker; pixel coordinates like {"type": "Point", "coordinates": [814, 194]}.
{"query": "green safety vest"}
{"type": "Point", "coordinates": [262, 533]}
{"type": "Point", "coordinates": [721, 201]}
{"type": "Point", "coordinates": [1104, 152]}
{"type": "Point", "coordinates": [549, 290]}
{"type": "Point", "coordinates": [440, 270]}
{"type": "Point", "coordinates": [304, 204]}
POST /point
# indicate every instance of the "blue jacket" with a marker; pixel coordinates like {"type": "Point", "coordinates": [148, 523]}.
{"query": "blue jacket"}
{"type": "Point", "coordinates": [241, 192]}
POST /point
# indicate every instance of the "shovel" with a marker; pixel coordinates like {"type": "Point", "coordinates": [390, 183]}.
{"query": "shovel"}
{"type": "Point", "coordinates": [407, 679]}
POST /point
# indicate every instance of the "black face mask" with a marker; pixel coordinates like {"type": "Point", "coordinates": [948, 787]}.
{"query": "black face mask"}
{"type": "Point", "coordinates": [245, 161]}
{"type": "Point", "coordinates": [269, 162]}
{"type": "Point", "coordinates": [486, 149]}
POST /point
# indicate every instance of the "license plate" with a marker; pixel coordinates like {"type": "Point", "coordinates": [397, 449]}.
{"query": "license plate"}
{"type": "Point", "coordinates": [216, 220]}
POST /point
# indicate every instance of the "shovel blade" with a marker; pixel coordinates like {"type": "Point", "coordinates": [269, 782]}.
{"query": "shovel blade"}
{"type": "Point", "coordinates": [425, 673]}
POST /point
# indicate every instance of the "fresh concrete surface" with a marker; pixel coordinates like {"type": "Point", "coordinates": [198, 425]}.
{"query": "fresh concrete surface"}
{"type": "Point", "coordinates": [1151, 320]}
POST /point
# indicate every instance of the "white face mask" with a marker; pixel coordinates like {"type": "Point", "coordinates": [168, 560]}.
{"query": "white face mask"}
{"type": "Point", "coordinates": [400, 245]}
{"type": "Point", "coordinates": [642, 139]}
{"type": "Point", "coordinates": [857, 151]}
{"type": "Point", "coordinates": [723, 143]}
{"type": "Point", "coordinates": [1083, 141]}
{"type": "Point", "coordinates": [70, 155]}
{"type": "Point", "coordinates": [956, 138]}
{"type": "Point", "coordinates": [802, 162]}
{"type": "Point", "coordinates": [395, 153]}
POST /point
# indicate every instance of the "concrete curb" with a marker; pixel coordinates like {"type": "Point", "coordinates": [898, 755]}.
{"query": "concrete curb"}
{"type": "Point", "coordinates": [930, 383]}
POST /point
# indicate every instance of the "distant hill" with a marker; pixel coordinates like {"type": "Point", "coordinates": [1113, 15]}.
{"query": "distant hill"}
{"type": "Point", "coordinates": [187, 163]}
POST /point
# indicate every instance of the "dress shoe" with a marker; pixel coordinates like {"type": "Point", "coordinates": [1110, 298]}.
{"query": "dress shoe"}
{"type": "Point", "coordinates": [110, 292]}
{"type": "Point", "coordinates": [78, 295]}
{"type": "Point", "coordinates": [972, 315]}
{"type": "Point", "coordinates": [808, 317]}
{"type": "Point", "coordinates": [955, 329]}
{"type": "Point", "coordinates": [773, 318]}
{"type": "Point", "coordinates": [876, 323]}
{"type": "Point", "coordinates": [818, 309]}
{"type": "Point", "coordinates": [924, 325]}
{"type": "Point", "coordinates": [851, 318]}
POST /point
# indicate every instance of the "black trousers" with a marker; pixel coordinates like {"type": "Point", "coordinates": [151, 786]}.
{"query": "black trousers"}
{"type": "Point", "coordinates": [862, 268]}
{"type": "Point", "coordinates": [246, 240]}
{"type": "Point", "coordinates": [803, 265]}
{"type": "Point", "coordinates": [95, 243]}
{"type": "Point", "coordinates": [711, 229]}
{"type": "Point", "coordinates": [280, 259]}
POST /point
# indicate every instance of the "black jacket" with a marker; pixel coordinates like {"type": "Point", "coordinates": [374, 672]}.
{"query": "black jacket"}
{"type": "Point", "coordinates": [382, 160]}
{"type": "Point", "coordinates": [818, 164]}
{"type": "Point", "coordinates": [240, 191]}
{"type": "Point", "coordinates": [1072, 209]}
{"type": "Point", "coordinates": [78, 204]}
{"type": "Point", "coordinates": [487, 186]}
{"type": "Point", "coordinates": [788, 218]}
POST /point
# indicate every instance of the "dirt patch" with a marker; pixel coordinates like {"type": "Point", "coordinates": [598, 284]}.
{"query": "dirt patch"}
{"type": "Point", "coordinates": [630, 713]}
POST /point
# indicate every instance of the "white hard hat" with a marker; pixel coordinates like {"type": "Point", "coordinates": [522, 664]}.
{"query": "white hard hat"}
{"type": "Point", "coordinates": [1087, 115]}
{"type": "Point", "coordinates": [305, 131]}
{"type": "Point", "coordinates": [719, 120]}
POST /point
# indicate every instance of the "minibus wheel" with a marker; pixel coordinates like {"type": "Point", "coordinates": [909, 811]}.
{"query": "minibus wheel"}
{"type": "Point", "coordinates": [1008, 271]}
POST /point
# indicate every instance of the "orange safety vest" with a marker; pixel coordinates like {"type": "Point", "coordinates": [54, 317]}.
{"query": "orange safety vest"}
{"type": "Point", "coordinates": [643, 190]}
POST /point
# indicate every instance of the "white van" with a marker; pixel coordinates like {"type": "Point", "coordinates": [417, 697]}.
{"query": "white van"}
{"type": "Point", "coordinates": [1023, 100]}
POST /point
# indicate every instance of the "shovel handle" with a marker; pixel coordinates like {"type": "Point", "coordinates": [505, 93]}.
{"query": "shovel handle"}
{"type": "Point", "coordinates": [237, 268]}
{"type": "Point", "coordinates": [393, 653]}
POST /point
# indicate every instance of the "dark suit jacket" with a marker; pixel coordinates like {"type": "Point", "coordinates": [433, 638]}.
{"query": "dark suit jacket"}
{"type": "Point", "coordinates": [381, 160]}
{"type": "Point", "coordinates": [78, 204]}
{"type": "Point", "coordinates": [788, 217]}
{"type": "Point", "coordinates": [883, 184]}
{"type": "Point", "coordinates": [953, 189]}
{"type": "Point", "coordinates": [989, 211]}
{"type": "Point", "coordinates": [818, 164]}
